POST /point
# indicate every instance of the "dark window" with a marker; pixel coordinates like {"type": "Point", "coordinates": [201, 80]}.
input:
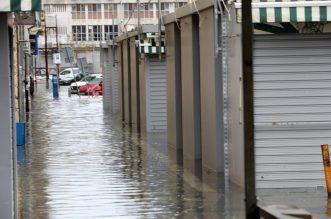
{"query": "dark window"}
{"type": "Point", "coordinates": [108, 34]}
{"type": "Point", "coordinates": [79, 33]}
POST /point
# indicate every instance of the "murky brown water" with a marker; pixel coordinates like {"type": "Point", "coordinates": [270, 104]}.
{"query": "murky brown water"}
{"type": "Point", "coordinates": [81, 163]}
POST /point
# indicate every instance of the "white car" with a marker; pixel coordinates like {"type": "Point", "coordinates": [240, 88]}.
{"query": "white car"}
{"type": "Point", "coordinates": [74, 86]}
{"type": "Point", "coordinates": [69, 75]}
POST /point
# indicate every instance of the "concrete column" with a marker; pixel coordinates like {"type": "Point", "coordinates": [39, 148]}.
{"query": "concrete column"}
{"type": "Point", "coordinates": [236, 135]}
{"type": "Point", "coordinates": [135, 105]}
{"type": "Point", "coordinates": [191, 91]}
{"type": "Point", "coordinates": [174, 93]}
{"type": "Point", "coordinates": [142, 87]}
{"type": "Point", "coordinates": [7, 130]}
{"type": "Point", "coordinates": [126, 82]}
{"type": "Point", "coordinates": [211, 96]}
{"type": "Point", "coordinates": [121, 79]}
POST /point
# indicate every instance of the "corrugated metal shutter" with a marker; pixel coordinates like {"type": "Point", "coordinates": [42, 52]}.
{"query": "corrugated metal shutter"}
{"type": "Point", "coordinates": [292, 103]}
{"type": "Point", "coordinates": [156, 95]}
{"type": "Point", "coordinates": [106, 77]}
{"type": "Point", "coordinates": [115, 88]}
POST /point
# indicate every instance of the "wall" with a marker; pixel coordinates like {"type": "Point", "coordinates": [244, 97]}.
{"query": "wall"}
{"type": "Point", "coordinates": [235, 86]}
{"type": "Point", "coordinates": [190, 70]}
{"type": "Point", "coordinates": [142, 86]}
{"type": "Point", "coordinates": [7, 142]}
{"type": "Point", "coordinates": [174, 93]}
{"type": "Point", "coordinates": [135, 95]}
{"type": "Point", "coordinates": [119, 54]}
{"type": "Point", "coordinates": [212, 134]}
{"type": "Point", "coordinates": [126, 82]}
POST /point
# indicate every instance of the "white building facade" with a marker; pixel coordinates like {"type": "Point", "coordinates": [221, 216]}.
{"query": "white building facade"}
{"type": "Point", "coordinates": [85, 25]}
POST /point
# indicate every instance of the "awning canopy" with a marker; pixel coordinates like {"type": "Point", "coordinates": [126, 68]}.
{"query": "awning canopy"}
{"type": "Point", "coordinates": [275, 11]}
{"type": "Point", "coordinates": [20, 5]}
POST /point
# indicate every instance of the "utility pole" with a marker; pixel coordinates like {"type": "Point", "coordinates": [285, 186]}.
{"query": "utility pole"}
{"type": "Point", "coordinates": [57, 45]}
{"type": "Point", "coordinates": [46, 57]}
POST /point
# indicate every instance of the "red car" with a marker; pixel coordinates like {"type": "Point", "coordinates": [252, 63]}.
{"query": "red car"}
{"type": "Point", "coordinates": [93, 87]}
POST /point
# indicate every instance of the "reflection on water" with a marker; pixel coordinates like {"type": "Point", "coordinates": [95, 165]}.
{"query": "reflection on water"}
{"type": "Point", "coordinates": [80, 163]}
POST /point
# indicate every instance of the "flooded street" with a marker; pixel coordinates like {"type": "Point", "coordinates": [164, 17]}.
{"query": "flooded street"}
{"type": "Point", "coordinates": [81, 163]}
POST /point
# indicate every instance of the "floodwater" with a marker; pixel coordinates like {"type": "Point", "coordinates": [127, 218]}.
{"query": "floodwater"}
{"type": "Point", "coordinates": [81, 163]}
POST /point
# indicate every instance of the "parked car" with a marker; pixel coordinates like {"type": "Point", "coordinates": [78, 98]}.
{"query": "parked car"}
{"type": "Point", "coordinates": [93, 87]}
{"type": "Point", "coordinates": [75, 86]}
{"type": "Point", "coordinates": [69, 75]}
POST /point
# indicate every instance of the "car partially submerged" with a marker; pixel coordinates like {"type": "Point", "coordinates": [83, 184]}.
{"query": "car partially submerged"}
{"type": "Point", "coordinates": [75, 86]}
{"type": "Point", "coordinates": [93, 87]}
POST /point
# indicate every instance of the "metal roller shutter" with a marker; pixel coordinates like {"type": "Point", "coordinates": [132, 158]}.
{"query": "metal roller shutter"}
{"type": "Point", "coordinates": [292, 103]}
{"type": "Point", "coordinates": [156, 95]}
{"type": "Point", "coordinates": [115, 88]}
{"type": "Point", "coordinates": [106, 78]}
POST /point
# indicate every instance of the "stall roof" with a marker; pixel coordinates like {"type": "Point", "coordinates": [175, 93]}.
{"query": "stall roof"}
{"type": "Point", "coordinates": [187, 9]}
{"type": "Point", "coordinates": [149, 28]}
{"type": "Point", "coordinates": [271, 11]}
{"type": "Point", "coordinates": [20, 5]}
{"type": "Point", "coordinates": [150, 43]}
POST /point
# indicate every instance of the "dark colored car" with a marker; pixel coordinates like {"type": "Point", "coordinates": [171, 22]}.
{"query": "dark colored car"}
{"type": "Point", "coordinates": [93, 87]}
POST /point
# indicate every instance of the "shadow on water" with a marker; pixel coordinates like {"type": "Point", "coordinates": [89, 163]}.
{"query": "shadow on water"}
{"type": "Point", "coordinates": [82, 163]}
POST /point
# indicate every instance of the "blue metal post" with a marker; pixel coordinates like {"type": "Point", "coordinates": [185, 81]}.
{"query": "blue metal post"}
{"type": "Point", "coordinates": [55, 83]}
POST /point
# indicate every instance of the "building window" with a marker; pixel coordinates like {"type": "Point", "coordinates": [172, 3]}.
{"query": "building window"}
{"type": "Point", "coordinates": [146, 10]}
{"type": "Point", "coordinates": [78, 11]}
{"type": "Point", "coordinates": [110, 11]}
{"type": "Point", "coordinates": [164, 8]}
{"type": "Point", "coordinates": [79, 33]}
{"type": "Point", "coordinates": [108, 34]}
{"type": "Point", "coordinates": [94, 32]}
{"type": "Point", "coordinates": [130, 10]}
{"type": "Point", "coordinates": [47, 8]}
{"type": "Point", "coordinates": [179, 4]}
{"type": "Point", "coordinates": [94, 11]}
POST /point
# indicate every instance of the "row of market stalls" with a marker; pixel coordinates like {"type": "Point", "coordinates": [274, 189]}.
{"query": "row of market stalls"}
{"type": "Point", "coordinates": [135, 68]}
{"type": "Point", "coordinates": [7, 105]}
{"type": "Point", "coordinates": [195, 91]}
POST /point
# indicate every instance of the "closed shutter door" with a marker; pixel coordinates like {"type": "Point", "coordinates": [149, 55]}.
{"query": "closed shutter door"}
{"type": "Point", "coordinates": [115, 88]}
{"type": "Point", "coordinates": [156, 95]}
{"type": "Point", "coordinates": [106, 78]}
{"type": "Point", "coordinates": [292, 103]}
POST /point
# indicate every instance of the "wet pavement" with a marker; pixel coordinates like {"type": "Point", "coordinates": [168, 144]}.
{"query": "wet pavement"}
{"type": "Point", "coordinates": [81, 163]}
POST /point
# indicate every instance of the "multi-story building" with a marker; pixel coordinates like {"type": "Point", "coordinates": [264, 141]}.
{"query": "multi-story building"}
{"type": "Point", "coordinates": [85, 25]}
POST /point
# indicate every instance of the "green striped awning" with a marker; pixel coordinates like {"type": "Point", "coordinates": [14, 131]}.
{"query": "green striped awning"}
{"type": "Point", "coordinates": [274, 11]}
{"type": "Point", "coordinates": [20, 5]}
{"type": "Point", "coordinates": [150, 47]}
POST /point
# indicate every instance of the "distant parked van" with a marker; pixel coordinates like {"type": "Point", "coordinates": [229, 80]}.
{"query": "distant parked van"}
{"type": "Point", "coordinates": [69, 75]}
